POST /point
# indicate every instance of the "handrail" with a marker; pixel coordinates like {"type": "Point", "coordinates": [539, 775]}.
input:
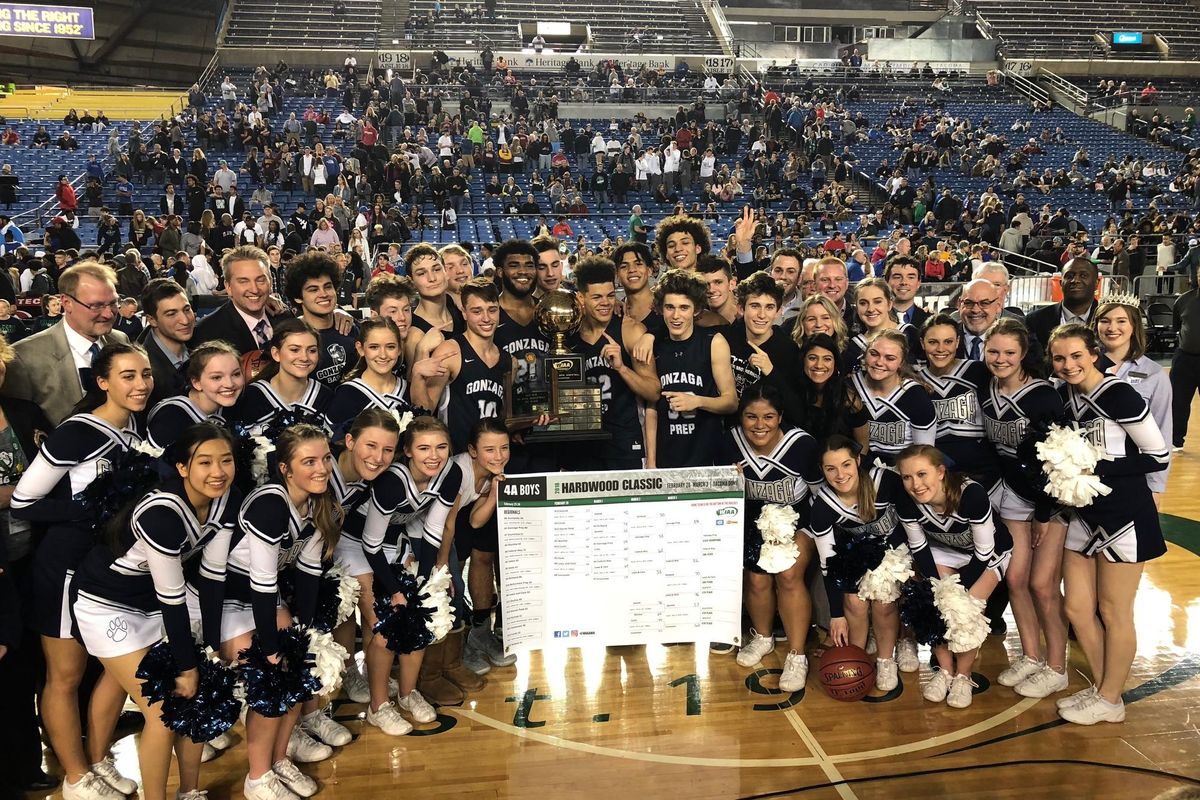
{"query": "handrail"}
{"type": "Point", "coordinates": [717, 19]}
{"type": "Point", "coordinates": [210, 69]}
{"type": "Point", "coordinates": [1075, 93]}
{"type": "Point", "coordinates": [1026, 86]}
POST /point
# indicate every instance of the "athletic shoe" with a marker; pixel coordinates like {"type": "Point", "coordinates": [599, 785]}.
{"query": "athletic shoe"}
{"type": "Point", "coordinates": [721, 648]}
{"type": "Point", "coordinates": [886, 676]}
{"type": "Point", "coordinates": [1177, 448]}
{"type": "Point", "coordinates": [871, 644]}
{"type": "Point", "coordinates": [355, 685]}
{"type": "Point", "coordinates": [960, 691]}
{"type": "Point", "coordinates": [474, 660]}
{"type": "Point", "coordinates": [303, 749]}
{"type": "Point", "coordinates": [489, 646]}
{"type": "Point", "coordinates": [90, 787]}
{"type": "Point", "coordinates": [752, 653]}
{"type": "Point", "coordinates": [106, 770]}
{"type": "Point", "coordinates": [795, 672]}
{"type": "Point", "coordinates": [998, 627]}
{"type": "Point", "coordinates": [1094, 709]}
{"type": "Point", "coordinates": [1075, 699]}
{"type": "Point", "coordinates": [294, 779]}
{"type": "Point", "coordinates": [223, 742]}
{"type": "Point", "coordinates": [1021, 669]}
{"type": "Point", "coordinates": [1043, 683]}
{"type": "Point", "coordinates": [938, 687]}
{"type": "Point", "coordinates": [208, 753]}
{"type": "Point", "coordinates": [416, 707]}
{"type": "Point", "coordinates": [906, 655]}
{"type": "Point", "coordinates": [388, 720]}
{"type": "Point", "coordinates": [269, 787]}
{"type": "Point", "coordinates": [321, 725]}
{"type": "Point", "coordinates": [194, 794]}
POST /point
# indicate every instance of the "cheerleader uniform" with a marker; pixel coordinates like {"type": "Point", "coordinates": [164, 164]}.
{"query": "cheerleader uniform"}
{"type": "Point", "coordinates": [1006, 420]}
{"type": "Point", "coordinates": [786, 476]}
{"type": "Point", "coordinates": [78, 450]}
{"type": "Point", "coordinates": [620, 407]}
{"type": "Point", "coordinates": [1122, 526]}
{"type": "Point", "coordinates": [687, 438]}
{"type": "Point", "coordinates": [173, 416]}
{"type": "Point", "coordinates": [353, 397]}
{"type": "Point", "coordinates": [856, 348]}
{"type": "Point", "coordinates": [271, 536]}
{"type": "Point", "coordinates": [259, 403]}
{"type": "Point", "coordinates": [904, 417]}
{"type": "Point", "coordinates": [476, 393]}
{"type": "Point", "coordinates": [354, 496]}
{"type": "Point", "coordinates": [125, 604]}
{"type": "Point", "coordinates": [960, 430]}
{"type": "Point", "coordinates": [832, 522]}
{"type": "Point", "coordinates": [971, 540]}
{"type": "Point", "coordinates": [467, 538]}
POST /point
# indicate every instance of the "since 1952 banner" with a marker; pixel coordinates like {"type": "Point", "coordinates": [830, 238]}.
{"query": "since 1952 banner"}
{"type": "Point", "coordinates": [40, 21]}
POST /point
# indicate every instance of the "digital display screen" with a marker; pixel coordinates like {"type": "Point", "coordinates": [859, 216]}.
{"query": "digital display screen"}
{"type": "Point", "coordinates": [1127, 37]}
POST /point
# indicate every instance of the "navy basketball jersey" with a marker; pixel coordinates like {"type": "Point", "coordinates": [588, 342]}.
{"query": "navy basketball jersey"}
{"type": "Point", "coordinates": [620, 408]}
{"type": "Point", "coordinates": [686, 438]}
{"type": "Point", "coordinates": [527, 345]}
{"type": "Point", "coordinates": [459, 324]}
{"type": "Point", "coordinates": [476, 393]}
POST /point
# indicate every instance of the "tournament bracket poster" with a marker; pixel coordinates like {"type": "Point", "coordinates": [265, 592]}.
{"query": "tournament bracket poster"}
{"type": "Point", "coordinates": [617, 558]}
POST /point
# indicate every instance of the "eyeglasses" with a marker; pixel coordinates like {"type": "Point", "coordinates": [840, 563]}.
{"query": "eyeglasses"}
{"type": "Point", "coordinates": [982, 305]}
{"type": "Point", "coordinates": [96, 308]}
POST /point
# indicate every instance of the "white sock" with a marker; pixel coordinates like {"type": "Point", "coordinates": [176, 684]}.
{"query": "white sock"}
{"type": "Point", "coordinates": [252, 783]}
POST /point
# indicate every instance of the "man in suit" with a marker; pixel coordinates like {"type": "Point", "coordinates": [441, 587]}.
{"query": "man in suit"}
{"type": "Point", "coordinates": [244, 321]}
{"type": "Point", "coordinates": [170, 326]}
{"type": "Point", "coordinates": [177, 168]}
{"type": "Point", "coordinates": [236, 206]}
{"type": "Point", "coordinates": [52, 368]}
{"type": "Point", "coordinates": [170, 202]}
{"type": "Point", "coordinates": [1079, 280]}
{"type": "Point", "coordinates": [903, 274]}
{"type": "Point", "coordinates": [997, 273]}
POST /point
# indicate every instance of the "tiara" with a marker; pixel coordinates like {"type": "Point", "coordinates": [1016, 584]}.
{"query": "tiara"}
{"type": "Point", "coordinates": [1121, 299]}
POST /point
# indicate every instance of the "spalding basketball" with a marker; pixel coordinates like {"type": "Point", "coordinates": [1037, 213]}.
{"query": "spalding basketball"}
{"type": "Point", "coordinates": [847, 673]}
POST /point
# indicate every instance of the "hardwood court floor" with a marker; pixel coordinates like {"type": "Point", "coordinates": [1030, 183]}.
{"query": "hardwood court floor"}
{"type": "Point", "coordinates": [673, 722]}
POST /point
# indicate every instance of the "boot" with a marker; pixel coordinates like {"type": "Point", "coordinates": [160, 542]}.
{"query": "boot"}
{"type": "Point", "coordinates": [432, 682]}
{"type": "Point", "coordinates": [454, 669]}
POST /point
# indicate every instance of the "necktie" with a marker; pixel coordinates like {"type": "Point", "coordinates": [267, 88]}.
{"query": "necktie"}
{"type": "Point", "coordinates": [86, 379]}
{"type": "Point", "coordinates": [260, 334]}
{"type": "Point", "coordinates": [975, 348]}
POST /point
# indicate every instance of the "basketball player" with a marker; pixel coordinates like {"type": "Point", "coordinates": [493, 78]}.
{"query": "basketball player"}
{"type": "Point", "coordinates": [474, 378]}
{"type": "Point", "coordinates": [457, 262]}
{"type": "Point", "coordinates": [683, 428]}
{"type": "Point", "coordinates": [435, 316]}
{"type": "Point", "coordinates": [549, 264]}
{"type": "Point", "coordinates": [722, 283]}
{"type": "Point", "coordinates": [681, 240]}
{"type": "Point", "coordinates": [311, 284]}
{"type": "Point", "coordinates": [635, 268]}
{"type": "Point", "coordinates": [605, 341]}
{"type": "Point", "coordinates": [757, 351]}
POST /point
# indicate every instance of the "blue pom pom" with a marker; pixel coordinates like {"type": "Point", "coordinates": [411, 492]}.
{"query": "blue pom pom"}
{"type": "Point", "coordinates": [855, 557]}
{"type": "Point", "coordinates": [918, 612]}
{"type": "Point", "coordinates": [404, 628]}
{"type": "Point", "coordinates": [273, 689]}
{"type": "Point", "coordinates": [132, 476]}
{"type": "Point", "coordinates": [752, 543]}
{"type": "Point", "coordinates": [206, 715]}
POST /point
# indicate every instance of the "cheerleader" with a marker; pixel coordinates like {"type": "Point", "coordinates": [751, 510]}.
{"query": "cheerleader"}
{"type": "Point", "coordinates": [289, 524]}
{"type": "Point", "coordinates": [476, 535]}
{"type": "Point", "coordinates": [78, 450]}
{"type": "Point", "coordinates": [1012, 403]}
{"type": "Point", "coordinates": [1122, 332]}
{"type": "Point", "coordinates": [873, 301]}
{"type": "Point", "coordinates": [1110, 539]}
{"type": "Point", "coordinates": [853, 503]}
{"type": "Point", "coordinates": [818, 314]}
{"type": "Point", "coordinates": [830, 402]}
{"type": "Point", "coordinates": [955, 385]}
{"type": "Point", "coordinates": [683, 429]}
{"type": "Point", "coordinates": [214, 373]}
{"type": "Point", "coordinates": [780, 467]}
{"type": "Point", "coordinates": [955, 513]}
{"type": "Point", "coordinates": [899, 408]}
{"type": "Point", "coordinates": [373, 382]}
{"type": "Point", "coordinates": [136, 585]}
{"type": "Point", "coordinates": [286, 383]}
{"type": "Point", "coordinates": [408, 511]}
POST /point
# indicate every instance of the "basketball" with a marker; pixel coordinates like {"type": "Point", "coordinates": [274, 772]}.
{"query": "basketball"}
{"type": "Point", "coordinates": [847, 673]}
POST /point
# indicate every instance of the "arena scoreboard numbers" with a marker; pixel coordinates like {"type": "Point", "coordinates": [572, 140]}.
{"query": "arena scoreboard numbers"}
{"type": "Point", "coordinates": [46, 22]}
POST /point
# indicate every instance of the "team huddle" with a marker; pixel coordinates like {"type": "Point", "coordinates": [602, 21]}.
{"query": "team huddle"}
{"type": "Point", "coordinates": [283, 458]}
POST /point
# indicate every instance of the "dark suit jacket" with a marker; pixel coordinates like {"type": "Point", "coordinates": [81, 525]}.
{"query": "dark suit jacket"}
{"type": "Point", "coordinates": [178, 207]}
{"type": "Point", "coordinates": [227, 324]}
{"type": "Point", "coordinates": [1043, 320]}
{"type": "Point", "coordinates": [919, 316]}
{"type": "Point", "coordinates": [168, 381]}
{"type": "Point", "coordinates": [43, 371]}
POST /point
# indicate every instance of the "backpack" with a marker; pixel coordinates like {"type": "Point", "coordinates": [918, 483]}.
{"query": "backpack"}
{"type": "Point", "coordinates": [42, 284]}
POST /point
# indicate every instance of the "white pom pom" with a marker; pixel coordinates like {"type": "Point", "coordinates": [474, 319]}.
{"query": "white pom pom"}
{"type": "Point", "coordinates": [263, 447]}
{"type": "Point", "coordinates": [435, 595]}
{"type": "Point", "coordinates": [882, 584]}
{"type": "Point", "coordinates": [330, 658]}
{"type": "Point", "coordinates": [348, 592]}
{"type": "Point", "coordinates": [401, 419]}
{"type": "Point", "coordinates": [966, 626]}
{"type": "Point", "coordinates": [777, 523]}
{"type": "Point", "coordinates": [1069, 460]}
{"type": "Point", "coordinates": [776, 557]}
{"type": "Point", "coordinates": [145, 448]}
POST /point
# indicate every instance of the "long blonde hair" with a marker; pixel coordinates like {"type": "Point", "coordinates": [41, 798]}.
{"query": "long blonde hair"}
{"type": "Point", "coordinates": [327, 513]}
{"type": "Point", "coordinates": [841, 334]}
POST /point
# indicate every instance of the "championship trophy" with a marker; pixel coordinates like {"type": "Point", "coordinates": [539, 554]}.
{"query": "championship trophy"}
{"type": "Point", "coordinates": [563, 393]}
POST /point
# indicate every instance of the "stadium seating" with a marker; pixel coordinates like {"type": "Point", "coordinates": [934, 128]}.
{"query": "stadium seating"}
{"type": "Point", "coordinates": [279, 23]}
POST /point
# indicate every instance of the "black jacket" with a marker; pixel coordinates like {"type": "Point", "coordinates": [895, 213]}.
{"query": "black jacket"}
{"type": "Point", "coordinates": [1042, 321]}
{"type": "Point", "coordinates": [168, 380]}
